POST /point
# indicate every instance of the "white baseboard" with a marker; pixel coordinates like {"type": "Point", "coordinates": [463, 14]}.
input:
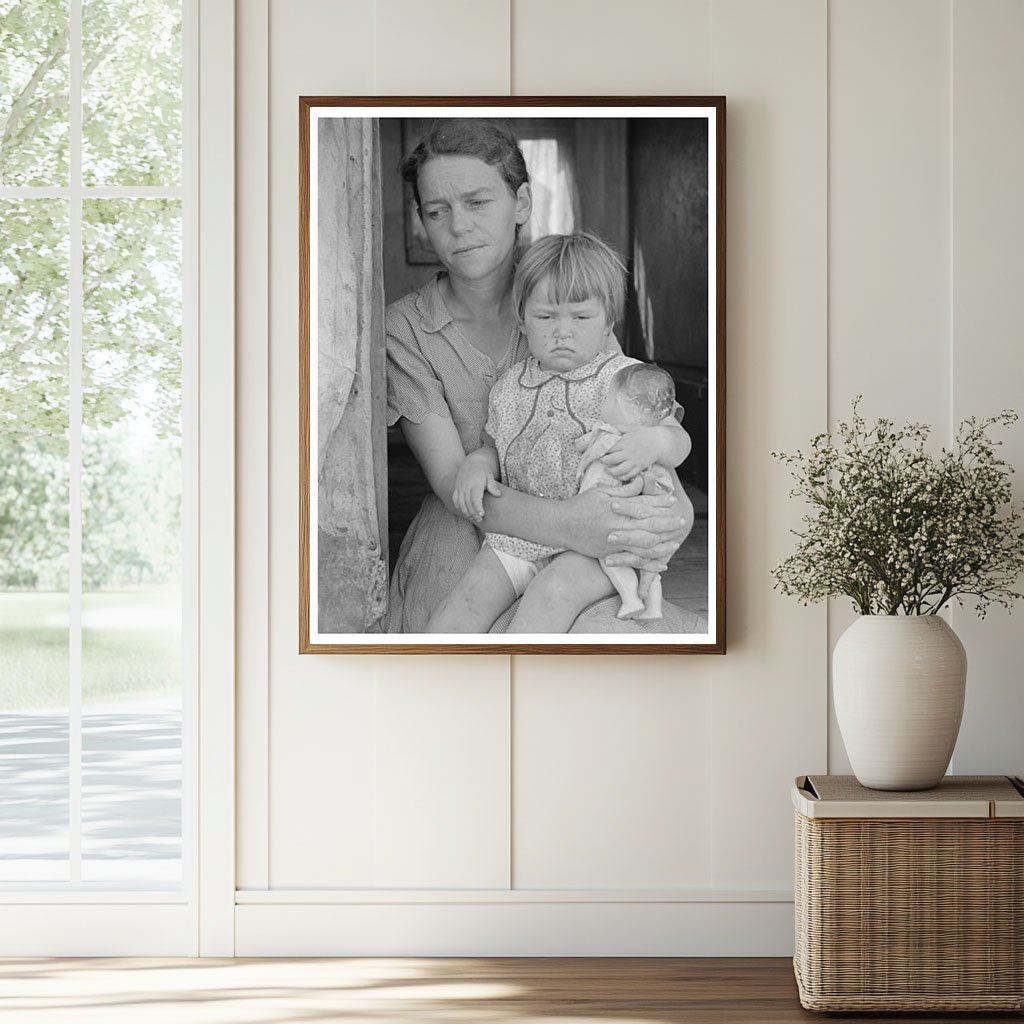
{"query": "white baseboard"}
{"type": "Point", "coordinates": [99, 928]}
{"type": "Point", "coordinates": [520, 928]}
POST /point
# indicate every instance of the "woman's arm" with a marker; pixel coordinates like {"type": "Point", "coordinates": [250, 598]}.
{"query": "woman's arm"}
{"type": "Point", "coordinates": [647, 528]}
{"type": "Point", "coordinates": [436, 445]}
{"type": "Point", "coordinates": [638, 530]}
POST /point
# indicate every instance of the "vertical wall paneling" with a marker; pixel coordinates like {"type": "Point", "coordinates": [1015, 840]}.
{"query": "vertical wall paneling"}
{"type": "Point", "coordinates": [888, 223]}
{"type": "Point", "coordinates": [847, 252]}
{"type": "Point", "coordinates": [444, 48]}
{"type": "Point", "coordinates": [611, 777]}
{"type": "Point", "coordinates": [253, 463]}
{"type": "Point", "coordinates": [442, 776]}
{"type": "Point", "coordinates": [769, 692]}
{"type": "Point", "coordinates": [323, 763]}
{"type": "Point", "coordinates": [988, 332]}
{"type": "Point", "coordinates": [611, 774]}
{"type": "Point", "coordinates": [321, 708]}
{"type": "Point", "coordinates": [889, 209]}
{"type": "Point", "coordinates": [576, 47]}
{"type": "Point", "coordinates": [453, 751]}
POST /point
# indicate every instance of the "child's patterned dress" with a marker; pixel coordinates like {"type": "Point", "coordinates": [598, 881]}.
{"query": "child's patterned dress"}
{"type": "Point", "coordinates": [535, 418]}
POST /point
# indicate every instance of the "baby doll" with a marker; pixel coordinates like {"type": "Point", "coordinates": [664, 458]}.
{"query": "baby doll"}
{"type": "Point", "coordinates": [639, 395]}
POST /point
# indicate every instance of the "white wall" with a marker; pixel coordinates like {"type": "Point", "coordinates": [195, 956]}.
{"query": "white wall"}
{"type": "Point", "coordinates": [626, 805]}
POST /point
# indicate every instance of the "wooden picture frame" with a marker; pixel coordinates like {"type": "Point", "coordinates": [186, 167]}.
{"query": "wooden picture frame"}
{"type": "Point", "coordinates": [646, 174]}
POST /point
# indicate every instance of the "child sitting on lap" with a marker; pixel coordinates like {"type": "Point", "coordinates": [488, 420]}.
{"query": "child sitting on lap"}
{"type": "Point", "coordinates": [567, 294]}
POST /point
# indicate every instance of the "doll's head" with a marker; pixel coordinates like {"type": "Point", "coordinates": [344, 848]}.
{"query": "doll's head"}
{"type": "Point", "coordinates": [641, 395]}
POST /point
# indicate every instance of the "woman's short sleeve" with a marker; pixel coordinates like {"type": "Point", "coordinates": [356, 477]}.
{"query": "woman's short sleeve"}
{"type": "Point", "coordinates": [414, 390]}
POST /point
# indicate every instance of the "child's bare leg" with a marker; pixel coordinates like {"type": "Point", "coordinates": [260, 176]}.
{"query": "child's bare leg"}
{"type": "Point", "coordinates": [625, 582]}
{"type": "Point", "coordinates": [652, 603]}
{"type": "Point", "coordinates": [482, 594]}
{"type": "Point", "coordinates": [560, 591]}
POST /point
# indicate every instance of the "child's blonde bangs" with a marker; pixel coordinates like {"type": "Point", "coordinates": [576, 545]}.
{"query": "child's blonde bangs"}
{"type": "Point", "coordinates": [574, 268]}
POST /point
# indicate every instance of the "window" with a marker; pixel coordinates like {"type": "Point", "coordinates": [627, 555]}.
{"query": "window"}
{"type": "Point", "coordinates": [555, 200]}
{"type": "Point", "coordinates": [95, 463]}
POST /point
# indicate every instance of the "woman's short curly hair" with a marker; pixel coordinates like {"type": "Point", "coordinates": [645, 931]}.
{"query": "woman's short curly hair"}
{"type": "Point", "coordinates": [488, 140]}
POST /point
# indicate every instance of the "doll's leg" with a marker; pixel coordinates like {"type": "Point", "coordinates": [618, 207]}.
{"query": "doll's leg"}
{"type": "Point", "coordinates": [624, 580]}
{"type": "Point", "coordinates": [561, 590]}
{"type": "Point", "coordinates": [482, 594]}
{"type": "Point", "coordinates": [652, 603]}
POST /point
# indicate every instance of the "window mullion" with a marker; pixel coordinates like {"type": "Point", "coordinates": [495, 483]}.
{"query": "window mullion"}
{"type": "Point", "coordinates": [75, 304]}
{"type": "Point", "coordinates": [95, 191]}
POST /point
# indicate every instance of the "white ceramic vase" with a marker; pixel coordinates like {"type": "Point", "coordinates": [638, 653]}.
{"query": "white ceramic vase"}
{"type": "Point", "coordinates": [898, 684]}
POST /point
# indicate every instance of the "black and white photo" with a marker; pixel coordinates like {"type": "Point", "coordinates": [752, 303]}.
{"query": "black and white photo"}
{"type": "Point", "coordinates": [512, 375]}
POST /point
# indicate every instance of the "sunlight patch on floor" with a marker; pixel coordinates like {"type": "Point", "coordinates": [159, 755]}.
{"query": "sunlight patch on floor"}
{"type": "Point", "coordinates": [221, 991]}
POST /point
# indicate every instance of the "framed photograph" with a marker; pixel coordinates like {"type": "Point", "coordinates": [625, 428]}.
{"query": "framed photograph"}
{"type": "Point", "coordinates": [512, 375]}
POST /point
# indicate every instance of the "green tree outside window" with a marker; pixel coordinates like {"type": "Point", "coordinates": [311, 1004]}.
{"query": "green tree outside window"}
{"type": "Point", "coordinates": [131, 316]}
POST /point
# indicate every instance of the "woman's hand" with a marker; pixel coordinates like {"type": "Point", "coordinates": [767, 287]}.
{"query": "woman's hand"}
{"type": "Point", "coordinates": [629, 528]}
{"type": "Point", "coordinates": [647, 528]}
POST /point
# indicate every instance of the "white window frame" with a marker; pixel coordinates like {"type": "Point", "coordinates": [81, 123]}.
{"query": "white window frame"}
{"type": "Point", "coordinates": [48, 919]}
{"type": "Point", "coordinates": [216, 391]}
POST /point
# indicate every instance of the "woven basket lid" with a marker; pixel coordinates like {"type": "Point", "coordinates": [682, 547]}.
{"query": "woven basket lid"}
{"type": "Point", "coordinates": [957, 796]}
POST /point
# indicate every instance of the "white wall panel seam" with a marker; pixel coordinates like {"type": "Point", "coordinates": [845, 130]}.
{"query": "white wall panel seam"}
{"type": "Point", "coordinates": [511, 661]}
{"type": "Point", "coordinates": [374, 782]}
{"type": "Point", "coordinates": [710, 782]}
{"type": "Point", "coordinates": [711, 46]}
{"type": "Point", "coordinates": [951, 128]}
{"type": "Point", "coordinates": [511, 53]}
{"type": "Point", "coordinates": [828, 342]}
{"type": "Point", "coordinates": [951, 298]}
{"type": "Point", "coordinates": [511, 664]}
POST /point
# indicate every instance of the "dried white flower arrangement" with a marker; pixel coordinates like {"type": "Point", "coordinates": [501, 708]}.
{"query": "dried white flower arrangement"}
{"type": "Point", "coordinates": [900, 530]}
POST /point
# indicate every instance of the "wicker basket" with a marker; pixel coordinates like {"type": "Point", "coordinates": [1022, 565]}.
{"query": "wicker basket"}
{"type": "Point", "coordinates": [910, 901]}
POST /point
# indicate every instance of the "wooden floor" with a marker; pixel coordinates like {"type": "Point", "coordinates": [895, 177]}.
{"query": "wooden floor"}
{"type": "Point", "coordinates": [413, 991]}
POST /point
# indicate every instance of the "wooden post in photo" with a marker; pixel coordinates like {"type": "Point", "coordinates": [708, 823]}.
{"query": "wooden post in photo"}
{"type": "Point", "coordinates": [352, 570]}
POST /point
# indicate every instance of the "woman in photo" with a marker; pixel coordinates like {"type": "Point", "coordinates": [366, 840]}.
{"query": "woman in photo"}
{"type": "Point", "coordinates": [447, 343]}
